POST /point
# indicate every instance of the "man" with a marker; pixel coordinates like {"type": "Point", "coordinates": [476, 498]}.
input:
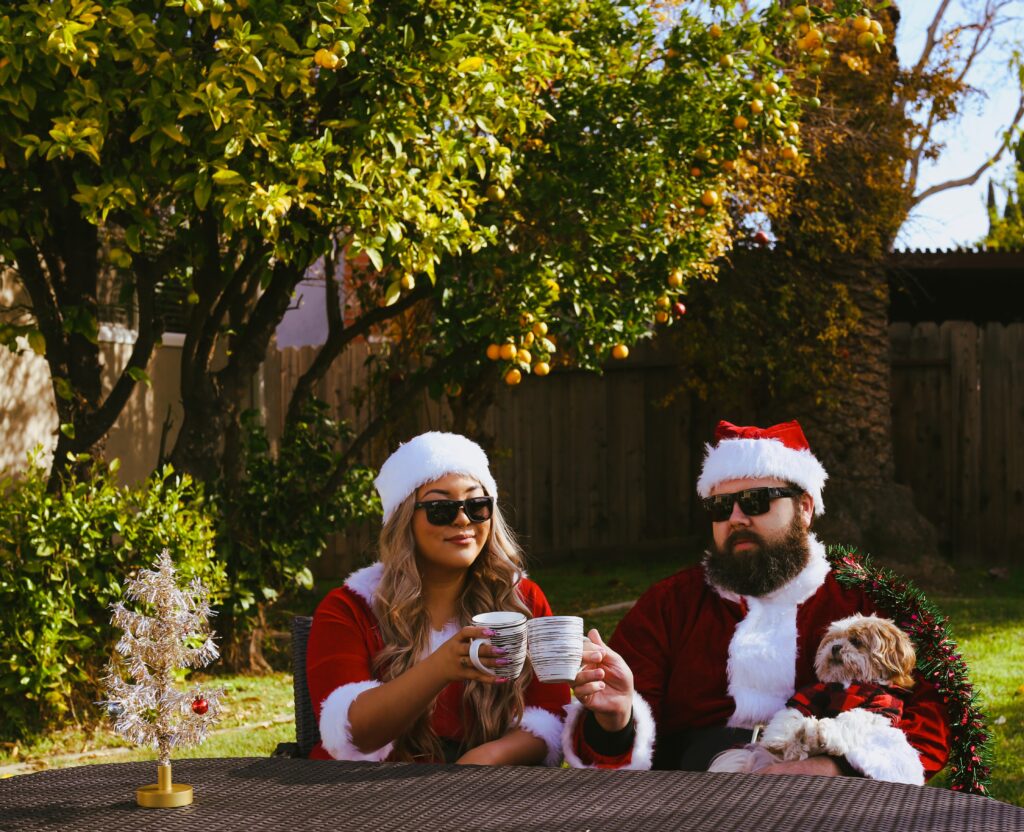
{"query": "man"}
{"type": "Point", "coordinates": [709, 654]}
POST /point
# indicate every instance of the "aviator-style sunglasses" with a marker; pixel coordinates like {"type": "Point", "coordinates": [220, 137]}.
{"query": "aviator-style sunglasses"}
{"type": "Point", "coordinates": [444, 512]}
{"type": "Point", "coordinates": [753, 501]}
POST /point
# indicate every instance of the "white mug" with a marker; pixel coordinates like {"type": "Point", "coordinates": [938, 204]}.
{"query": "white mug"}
{"type": "Point", "coordinates": [556, 647]}
{"type": "Point", "coordinates": [510, 634]}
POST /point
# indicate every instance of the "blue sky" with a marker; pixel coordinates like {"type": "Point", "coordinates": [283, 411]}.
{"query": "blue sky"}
{"type": "Point", "coordinates": [958, 216]}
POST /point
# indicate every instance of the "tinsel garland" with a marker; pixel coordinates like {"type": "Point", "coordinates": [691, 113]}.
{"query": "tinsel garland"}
{"type": "Point", "coordinates": [937, 660]}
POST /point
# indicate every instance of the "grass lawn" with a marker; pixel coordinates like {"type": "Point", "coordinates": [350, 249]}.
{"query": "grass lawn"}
{"type": "Point", "coordinates": [987, 617]}
{"type": "Point", "coordinates": [989, 624]}
{"type": "Point", "coordinates": [257, 714]}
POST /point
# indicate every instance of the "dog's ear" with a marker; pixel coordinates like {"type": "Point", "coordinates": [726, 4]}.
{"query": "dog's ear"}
{"type": "Point", "coordinates": [895, 653]}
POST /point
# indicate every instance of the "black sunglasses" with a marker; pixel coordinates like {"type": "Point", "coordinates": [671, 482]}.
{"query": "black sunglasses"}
{"type": "Point", "coordinates": [753, 501]}
{"type": "Point", "coordinates": [444, 512]}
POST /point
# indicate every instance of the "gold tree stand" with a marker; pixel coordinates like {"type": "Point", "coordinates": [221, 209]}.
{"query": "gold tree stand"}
{"type": "Point", "coordinates": [164, 794]}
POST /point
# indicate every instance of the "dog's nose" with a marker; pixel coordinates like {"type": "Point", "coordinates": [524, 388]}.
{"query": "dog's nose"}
{"type": "Point", "coordinates": [836, 648]}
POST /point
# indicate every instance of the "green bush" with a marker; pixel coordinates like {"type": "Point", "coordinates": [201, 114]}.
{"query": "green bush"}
{"type": "Point", "coordinates": [63, 559]}
{"type": "Point", "coordinates": [276, 521]}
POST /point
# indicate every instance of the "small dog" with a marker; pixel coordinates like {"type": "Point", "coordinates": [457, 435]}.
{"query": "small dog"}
{"type": "Point", "coordinates": [859, 663]}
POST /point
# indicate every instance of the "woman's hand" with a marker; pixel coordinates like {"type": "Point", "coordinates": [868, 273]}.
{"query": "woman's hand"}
{"type": "Point", "coordinates": [451, 659]}
{"type": "Point", "coordinates": [605, 684]}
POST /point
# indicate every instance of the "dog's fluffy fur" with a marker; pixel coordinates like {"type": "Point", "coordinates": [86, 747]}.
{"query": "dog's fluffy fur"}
{"type": "Point", "coordinates": [861, 648]}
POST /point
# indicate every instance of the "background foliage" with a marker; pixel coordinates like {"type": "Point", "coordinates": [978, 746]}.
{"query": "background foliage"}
{"type": "Point", "coordinates": [1006, 227]}
{"type": "Point", "coordinates": [63, 559]}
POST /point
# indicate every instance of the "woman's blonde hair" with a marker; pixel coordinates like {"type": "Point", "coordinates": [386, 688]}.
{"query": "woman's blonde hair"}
{"type": "Point", "coordinates": [490, 710]}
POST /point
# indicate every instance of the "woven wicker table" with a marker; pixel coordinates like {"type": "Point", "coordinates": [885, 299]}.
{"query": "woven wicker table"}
{"type": "Point", "coordinates": [252, 795]}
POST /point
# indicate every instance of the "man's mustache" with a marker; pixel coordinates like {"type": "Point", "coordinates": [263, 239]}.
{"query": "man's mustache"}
{"type": "Point", "coordinates": [742, 536]}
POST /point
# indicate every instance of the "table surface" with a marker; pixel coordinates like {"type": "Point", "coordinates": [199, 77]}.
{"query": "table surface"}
{"type": "Point", "coordinates": [273, 794]}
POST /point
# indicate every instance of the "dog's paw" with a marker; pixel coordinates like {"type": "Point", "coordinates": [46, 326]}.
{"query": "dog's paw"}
{"type": "Point", "coordinates": [809, 737]}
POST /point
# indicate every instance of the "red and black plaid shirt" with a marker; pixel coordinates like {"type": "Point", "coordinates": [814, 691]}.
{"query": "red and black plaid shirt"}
{"type": "Point", "coordinates": [829, 700]}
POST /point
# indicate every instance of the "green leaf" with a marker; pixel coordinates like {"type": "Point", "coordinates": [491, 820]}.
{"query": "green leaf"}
{"type": "Point", "coordinates": [140, 132]}
{"type": "Point", "coordinates": [138, 374]}
{"type": "Point", "coordinates": [68, 429]}
{"type": "Point", "coordinates": [394, 292]}
{"type": "Point", "coordinates": [37, 342]}
{"type": "Point", "coordinates": [226, 176]}
{"type": "Point", "coordinates": [375, 258]}
{"type": "Point", "coordinates": [63, 388]}
{"type": "Point", "coordinates": [470, 64]}
{"type": "Point", "coordinates": [132, 236]}
{"type": "Point", "coordinates": [202, 192]}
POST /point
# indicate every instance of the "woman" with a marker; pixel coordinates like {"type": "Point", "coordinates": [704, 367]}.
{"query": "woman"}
{"type": "Point", "coordinates": [388, 660]}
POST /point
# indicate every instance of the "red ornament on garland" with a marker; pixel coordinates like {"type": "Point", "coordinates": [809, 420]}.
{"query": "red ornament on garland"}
{"type": "Point", "coordinates": [200, 706]}
{"type": "Point", "coordinates": [678, 309]}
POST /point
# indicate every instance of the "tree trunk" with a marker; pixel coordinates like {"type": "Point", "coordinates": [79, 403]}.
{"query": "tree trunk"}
{"type": "Point", "coordinates": [853, 438]}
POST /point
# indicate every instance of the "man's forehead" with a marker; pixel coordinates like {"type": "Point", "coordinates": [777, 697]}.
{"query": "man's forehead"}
{"type": "Point", "coordinates": [732, 486]}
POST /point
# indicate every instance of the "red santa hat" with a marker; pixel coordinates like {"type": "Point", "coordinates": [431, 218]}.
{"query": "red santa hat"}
{"type": "Point", "coordinates": [426, 458]}
{"type": "Point", "coordinates": [780, 452]}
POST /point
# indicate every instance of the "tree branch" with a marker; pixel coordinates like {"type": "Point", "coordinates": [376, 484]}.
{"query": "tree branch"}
{"type": "Point", "coordinates": [97, 424]}
{"type": "Point", "coordinates": [972, 178]}
{"type": "Point", "coordinates": [251, 347]}
{"type": "Point", "coordinates": [212, 285]}
{"type": "Point", "coordinates": [932, 40]}
{"type": "Point", "coordinates": [46, 310]}
{"type": "Point", "coordinates": [340, 338]}
{"type": "Point", "coordinates": [417, 385]}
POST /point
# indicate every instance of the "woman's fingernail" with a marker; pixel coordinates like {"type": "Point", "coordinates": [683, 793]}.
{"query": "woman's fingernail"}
{"type": "Point", "coordinates": [501, 651]}
{"type": "Point", "coordinates": [490, 633]}
{"type": "Point", "coordinates": [501, 661]}
{"type": "Point", "coordinates": [500, 680]}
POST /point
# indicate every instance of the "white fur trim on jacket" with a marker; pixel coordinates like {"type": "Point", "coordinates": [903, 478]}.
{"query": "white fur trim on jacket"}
{"type": "Point", "coordinates": [738, 459]}
{"type": "Point", "coordinates": [544, 725]}
{"type": "Point", "coordinates": [873, 746]}
{"type": "Point", "coordinates": [643, 740]}
{"type": "Point", "coordinates": [429, 457]}
{"type": "Point", "coordinates": [762, 653]}
{"type": "Point", "coordinates": [336, 730]}
{"type": "Point", "coordinates": [364, 582]}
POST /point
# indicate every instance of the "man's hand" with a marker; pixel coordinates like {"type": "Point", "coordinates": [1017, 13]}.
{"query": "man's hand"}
{"type": "Point", "coordinates": [605, 684]}
{"type": "Point", "coordinates": [822, 766]}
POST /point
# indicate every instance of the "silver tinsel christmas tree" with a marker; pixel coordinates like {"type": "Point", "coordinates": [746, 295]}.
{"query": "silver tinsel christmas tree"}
{"type": "Point", "coordinates": [173, 634]}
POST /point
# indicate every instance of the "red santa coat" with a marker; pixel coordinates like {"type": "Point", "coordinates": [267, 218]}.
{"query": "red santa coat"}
{"type": "Point", "coordinates": [343, 641]}
{"type": "Point", "coordinates": [702, 656]}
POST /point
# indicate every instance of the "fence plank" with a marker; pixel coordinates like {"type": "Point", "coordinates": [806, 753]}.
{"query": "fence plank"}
{"type": "Point", "coordinates": [996, 418]}
{"type": "Point", "coordinates": [965, 415]}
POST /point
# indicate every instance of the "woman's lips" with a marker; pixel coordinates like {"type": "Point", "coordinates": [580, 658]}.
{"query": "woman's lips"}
{"type": "Point", "coordinates": [460, 539]}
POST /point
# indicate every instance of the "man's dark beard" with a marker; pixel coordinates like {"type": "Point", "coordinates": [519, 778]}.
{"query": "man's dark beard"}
{"type": "Point", "coordinates": [763, 571]}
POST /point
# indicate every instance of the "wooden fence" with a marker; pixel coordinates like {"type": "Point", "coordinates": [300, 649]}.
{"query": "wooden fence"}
{"type": "Point", "coordinates": [606, 466]}
{"type": "Point", "coordinates": [958, 433]}
{"type": "Point", "coordinates": [587, 464]}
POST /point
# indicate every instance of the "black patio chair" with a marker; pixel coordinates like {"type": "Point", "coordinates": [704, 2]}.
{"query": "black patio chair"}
{"type": "Point", "coordinates": [307, 732]}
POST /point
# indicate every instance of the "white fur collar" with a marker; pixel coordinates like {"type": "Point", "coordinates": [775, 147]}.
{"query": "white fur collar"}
{"type": "Point", "coordinates": [762, 653]}
{"type": "Point", "coordinates": [364, 582]}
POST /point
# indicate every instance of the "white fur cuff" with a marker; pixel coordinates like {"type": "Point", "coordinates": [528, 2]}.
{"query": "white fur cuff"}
{"type": "Point", "coordinates": [544, 725]}
{"type": "Point", "coordinates": [335, 729]}
{"type": "Point", "coordinates": [877, 749]}
{"type": "Point", "coordinates": [643, 741]}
